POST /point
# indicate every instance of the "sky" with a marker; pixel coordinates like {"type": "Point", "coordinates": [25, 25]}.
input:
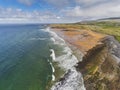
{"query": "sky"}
{"type": "Point", "coordinates": [56, 11]}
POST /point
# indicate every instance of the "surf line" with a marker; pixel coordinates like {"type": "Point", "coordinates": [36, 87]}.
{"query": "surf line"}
{"type": "Point", "coordinates": [52, 55]}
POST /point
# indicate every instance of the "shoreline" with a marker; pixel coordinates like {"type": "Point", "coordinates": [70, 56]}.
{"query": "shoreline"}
{"type": "Point", "coordinates": [67, 62]}
{"type": "Point", "coordinates": [102, 47]}
{"type": "Point", "coordinates": [80, 39]}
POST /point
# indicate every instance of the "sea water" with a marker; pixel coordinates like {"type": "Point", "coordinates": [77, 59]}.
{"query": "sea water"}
{"type": "Point", "coordinates": [27, 53]}
{"type": "Point", "coordinates": [24, 55]}
{"type": "Point", "coordinates": [72, 79]}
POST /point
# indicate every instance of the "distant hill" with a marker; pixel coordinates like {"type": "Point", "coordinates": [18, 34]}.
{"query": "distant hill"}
{"type": "Point", "coordinates": [111, 18]}
{"type": "Point", "coordinates": [115, 19]}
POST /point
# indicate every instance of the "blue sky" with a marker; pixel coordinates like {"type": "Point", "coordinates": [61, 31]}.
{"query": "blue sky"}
{"type": "Point", "coordinates": [51, 11]}
{"type": "Point", "coordinates": [27, 5]}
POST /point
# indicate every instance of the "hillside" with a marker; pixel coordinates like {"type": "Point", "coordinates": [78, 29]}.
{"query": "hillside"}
{"type": "Point", "coordinates": [99, 42]}
{"type": "Point", "coordinates": [104, 27]}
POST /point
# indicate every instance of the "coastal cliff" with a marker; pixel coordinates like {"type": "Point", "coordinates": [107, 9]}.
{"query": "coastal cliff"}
{"type": "Point", "coordinates": [101, 56]}
{"type": "Point", "coordinates": [100, 66]}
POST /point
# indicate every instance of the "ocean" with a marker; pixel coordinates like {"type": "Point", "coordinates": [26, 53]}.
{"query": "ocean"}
{"type": "Point", "coordinates": [24, 55]}
{"type": "Point", "coordinates": [27, 54]}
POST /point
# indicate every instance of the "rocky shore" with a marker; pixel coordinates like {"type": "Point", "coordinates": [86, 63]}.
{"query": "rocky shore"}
{"type": "Point", "coordinates": [100, 65]}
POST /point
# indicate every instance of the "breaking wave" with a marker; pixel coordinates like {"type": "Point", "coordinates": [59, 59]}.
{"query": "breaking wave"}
{"type": "Point", "coordinates": [52, 54]}
{"type": "Point", "coordinates": [53, 70]}
{"type": "Point", "coordinates": [37, 38]}
{"type": "Point", "coordinates": [72, 80]}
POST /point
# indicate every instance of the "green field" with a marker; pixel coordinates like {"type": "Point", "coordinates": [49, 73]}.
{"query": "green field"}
{"type": "Point", "coordinates": [108, 27]}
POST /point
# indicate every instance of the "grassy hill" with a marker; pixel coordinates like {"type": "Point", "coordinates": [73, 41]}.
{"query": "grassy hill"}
{"type": "Point", "coordinates": [107, 26]}
{"type": "Point", "coordinates": [99, 67]}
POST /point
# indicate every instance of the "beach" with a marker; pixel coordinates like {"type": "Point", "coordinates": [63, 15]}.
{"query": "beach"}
{"type": "Point", "coordinates": [93, 52]}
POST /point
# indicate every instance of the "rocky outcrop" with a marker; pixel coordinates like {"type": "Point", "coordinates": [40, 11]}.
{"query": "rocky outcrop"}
{"type": "Point", "coordinates": [70, 81]}
{"type": "Point", "coordinates": [100, 65]}
{"type": "Point", "coordinates": [100, 68]}
{"type": "Point", "coordinates": [113, 46]}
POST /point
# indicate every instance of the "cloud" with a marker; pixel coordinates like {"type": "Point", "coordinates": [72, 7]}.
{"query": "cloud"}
{"type": "Point", "coordinates": [18, 15]}
{"type": "Point", "coordinates": [26, 2]}
{"type": "Point", "coordinates": [54, 3]}
{"type": "Point", "coordinates": [73, 12]}
{"type": "Point", "coordinates": [82, 8]}
{"type": "Point", "coordinates": [58, 3]}
{"type": "Point", "coordinates": [110, 9]}
{"type": "Point", "coordinates": [89, 2]}
{"type": "Point", "coordinates": [66, 11]}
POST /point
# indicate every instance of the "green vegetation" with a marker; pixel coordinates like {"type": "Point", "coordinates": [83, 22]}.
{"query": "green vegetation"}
{"type": "Point", "coordinates": [105, 27]}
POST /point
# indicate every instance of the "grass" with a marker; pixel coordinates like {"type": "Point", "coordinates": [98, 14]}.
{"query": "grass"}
{"type": "Point", "coordinates": [105, 27]}
{"type": "Point", "coordinates": [93, 69]}
{"type": "Point", "coordinates": [118, 38]}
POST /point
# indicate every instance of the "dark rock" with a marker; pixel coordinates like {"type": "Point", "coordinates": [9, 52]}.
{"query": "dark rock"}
{"type": "Point", "coordinates": [113, 45]}
{"type": "Point", "coordinates": [99, 66]}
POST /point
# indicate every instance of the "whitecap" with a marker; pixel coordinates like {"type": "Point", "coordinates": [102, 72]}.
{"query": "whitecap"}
{"type": "Point", "coordinates": [52, 54]}
{"type": "Point", "coordinates": [52, 39]}
{"type": "Point", "coordinates": [53, 77]}
{"type": "Point", "coordinates": [53, 69]}
{"type": "Point", "coordinates": [67, 61]}
{"type": "Point", "coordinates": [72, 81]}
{"type": "Point", "coordinates": [37, 38]}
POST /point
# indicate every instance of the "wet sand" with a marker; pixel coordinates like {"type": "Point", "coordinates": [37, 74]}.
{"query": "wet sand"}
{"type": "Point", "coordinates": [98, 63]}
{"type": "Point", "coordinates": [83, 40]}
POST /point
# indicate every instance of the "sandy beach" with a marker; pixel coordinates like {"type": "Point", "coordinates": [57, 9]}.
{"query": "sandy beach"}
{"type": "Point", "coordinates": [83, 40]}
{"type": "Point", "coordinates": [98, 57]}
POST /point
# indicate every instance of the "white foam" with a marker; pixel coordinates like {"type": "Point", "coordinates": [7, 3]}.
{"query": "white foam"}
{"type": "Point", "coordinates": [67, 61]}
{"type": "Point", "coordinates": [37, 38]}
{"type": "Point", "coordinates": [53, 70]}
{"type": "Point", "coordinates": [47, 29]}
{"type": "Point", "coordinates": [52, 39]}
{"type": "Point", "coordinates": [72, 81]}
{"type": "Point", "coordinates": [53, 77]}
{"type": "Point", "coordinates": [52, 54]}
{"type": "Point", "coordinates": [41, 29]}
